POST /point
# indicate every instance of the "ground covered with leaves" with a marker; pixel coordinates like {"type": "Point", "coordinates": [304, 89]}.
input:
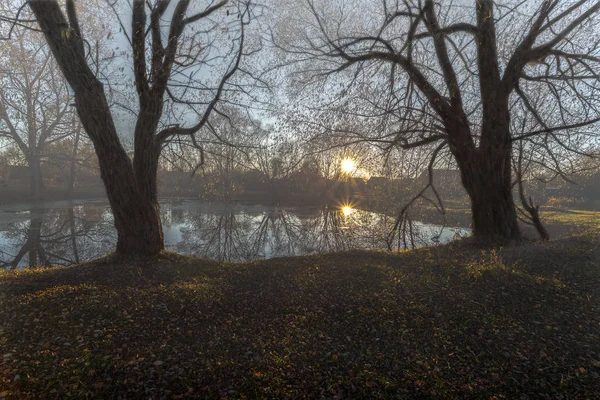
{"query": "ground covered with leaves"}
{"type": "Point", "coordinates": [453, 321]}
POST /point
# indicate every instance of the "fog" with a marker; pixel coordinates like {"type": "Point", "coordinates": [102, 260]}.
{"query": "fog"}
{"type": "Point", "coordinates": [294, 106]}
{"type": "Point", "coordinates": [290, 199]}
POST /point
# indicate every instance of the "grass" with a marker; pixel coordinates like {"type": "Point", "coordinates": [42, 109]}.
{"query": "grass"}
{"type": "Point", "coordinates": [445, 322]}
{"type": "Point", "coordinates": [559, 222]}
{"type": "Point", "coordinates": [583, 218]}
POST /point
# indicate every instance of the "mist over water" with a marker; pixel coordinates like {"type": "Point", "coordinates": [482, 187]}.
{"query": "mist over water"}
{"type": "Point", "coordinates": [66, 232]}
{"type": "Point", "coordinates": [312, 102]}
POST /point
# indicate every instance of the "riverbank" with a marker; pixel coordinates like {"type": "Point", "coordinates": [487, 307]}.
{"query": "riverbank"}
{"type": "Point", "coordinates": [443, 322]}
{"type": "Point", "coordinates": [9, 196]}
{"type": "Point", "coordinates": [560, 222]}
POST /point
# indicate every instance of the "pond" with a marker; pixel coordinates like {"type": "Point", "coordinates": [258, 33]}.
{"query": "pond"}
{"type": "Point", "coordinates": [67, 232]}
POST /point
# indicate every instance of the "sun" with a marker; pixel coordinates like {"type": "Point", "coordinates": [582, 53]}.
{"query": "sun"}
{"type": "Point", "coordinates": [348, 165]}
{"type": "Point", "coordinates": [347, 210]}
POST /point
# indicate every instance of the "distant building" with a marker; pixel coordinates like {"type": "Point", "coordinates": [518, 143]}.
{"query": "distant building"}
{"type": "Point", "coordinates": [447, 182]}
{"type": "Point", "coordinates": [377, 183]}
{"type": "Point", "coordinates": [357, 184]}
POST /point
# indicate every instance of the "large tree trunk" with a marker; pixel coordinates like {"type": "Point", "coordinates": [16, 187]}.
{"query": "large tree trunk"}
{"type": "Point", "coordinates": [486, 176]}
{"type": "Point", "coordinates": [486, 166]}
{"type": "Point", "coordinates": [137, 217]}
{"type": "Point", "coordinates": [136, 214]}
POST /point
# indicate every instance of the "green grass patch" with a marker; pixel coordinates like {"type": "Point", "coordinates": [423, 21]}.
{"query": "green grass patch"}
{"type": "Point", "coordinates": [572, 217]}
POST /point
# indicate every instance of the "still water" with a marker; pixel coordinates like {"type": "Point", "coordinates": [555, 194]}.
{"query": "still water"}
{"type": "Point", "coordinates": [66, 232]}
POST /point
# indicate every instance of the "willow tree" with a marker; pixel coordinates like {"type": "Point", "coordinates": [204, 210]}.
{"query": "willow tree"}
{"type": "Point", "coordinates": [448, 75]}
{"type": "Point", "coordinates": [172, 43]}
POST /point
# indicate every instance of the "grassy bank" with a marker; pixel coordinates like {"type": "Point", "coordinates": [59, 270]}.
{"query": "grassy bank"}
{"type": "Point", "coordinates": [445, 322]}
{"type": "Point", "coordinates": [559, 221]}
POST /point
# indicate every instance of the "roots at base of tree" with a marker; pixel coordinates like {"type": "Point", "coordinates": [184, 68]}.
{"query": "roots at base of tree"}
{"type": "Point", "coordinates": [139, 245]}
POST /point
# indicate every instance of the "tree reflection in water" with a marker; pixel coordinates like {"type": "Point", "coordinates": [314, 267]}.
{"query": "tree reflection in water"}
{"type": "Point", "coordinates": [238, 235]}
{"type": "Point", "coordinates": [74, 233]}
{"type": "Point", "coordinates": [57, 236]}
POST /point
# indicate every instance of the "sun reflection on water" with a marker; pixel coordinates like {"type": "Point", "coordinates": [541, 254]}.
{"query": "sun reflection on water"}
{"type": "Point", "coordinates": [347, 210]}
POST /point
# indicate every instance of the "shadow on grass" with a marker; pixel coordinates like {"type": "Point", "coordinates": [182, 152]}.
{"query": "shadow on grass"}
{"type": "Point", "coordinates": [445, 322]}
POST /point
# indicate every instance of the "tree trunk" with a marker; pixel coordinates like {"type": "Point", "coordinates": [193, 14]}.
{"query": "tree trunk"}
{"type": "Point", "coordinates": [152, 240]}
{"type": "Point", "coordinates": [36, 178]}
{"type": "Point", "coordinates": [137, 217]}
{"type": "Point", "coordinates": [539, 227]}
{"type": "Point", "coordinates": [34, 236]}
{"type": "Point", "coordinates": [71, 182]}
{"type": "Point", "coordinates": [136, 214]}
{"type": "Point", "coordinates": [71, 214]}
{"type": "Point", "coordinates": [529, 210]}
{"type": "Point", "coordinates": [139, 234]}
{"type": "Point", "coordinates": [486, 176]}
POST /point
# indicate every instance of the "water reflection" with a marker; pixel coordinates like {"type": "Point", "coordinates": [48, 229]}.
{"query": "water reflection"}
{"type": "Point", "coordinates": [347, 210]}
{"type": "Point", "coordinates": [55, 236]}
{"type": "Point", "coordinates": [65, 233]}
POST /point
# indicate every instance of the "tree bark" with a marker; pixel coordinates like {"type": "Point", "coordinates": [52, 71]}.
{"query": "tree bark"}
{"type": "Point", "coordinates": [486, 176]}
{"type": "Point", "coordinates": [134, 205]}
{"type": "Point", "coordinates": [131, 186]}
{"type": "Point", "coordinates": [136, 212]}
{"type": "Point", "coordinates": [529, 210]}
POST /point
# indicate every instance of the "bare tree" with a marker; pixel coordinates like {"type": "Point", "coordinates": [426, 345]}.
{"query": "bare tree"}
{"type": "Point", "coordinates": [530, 211]}
{"type": "Point", "coordinates": [34, 107]}
{"type": "Point", "coordinates": [54, 237]}
{"type": "Point", "coordinates": [447, 75]}
{"type": "Point", "coordinates": [171, 41]}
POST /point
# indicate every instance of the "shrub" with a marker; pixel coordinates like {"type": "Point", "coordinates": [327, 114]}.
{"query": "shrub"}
{"type": "Point", "coordinates": [489, 261]}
